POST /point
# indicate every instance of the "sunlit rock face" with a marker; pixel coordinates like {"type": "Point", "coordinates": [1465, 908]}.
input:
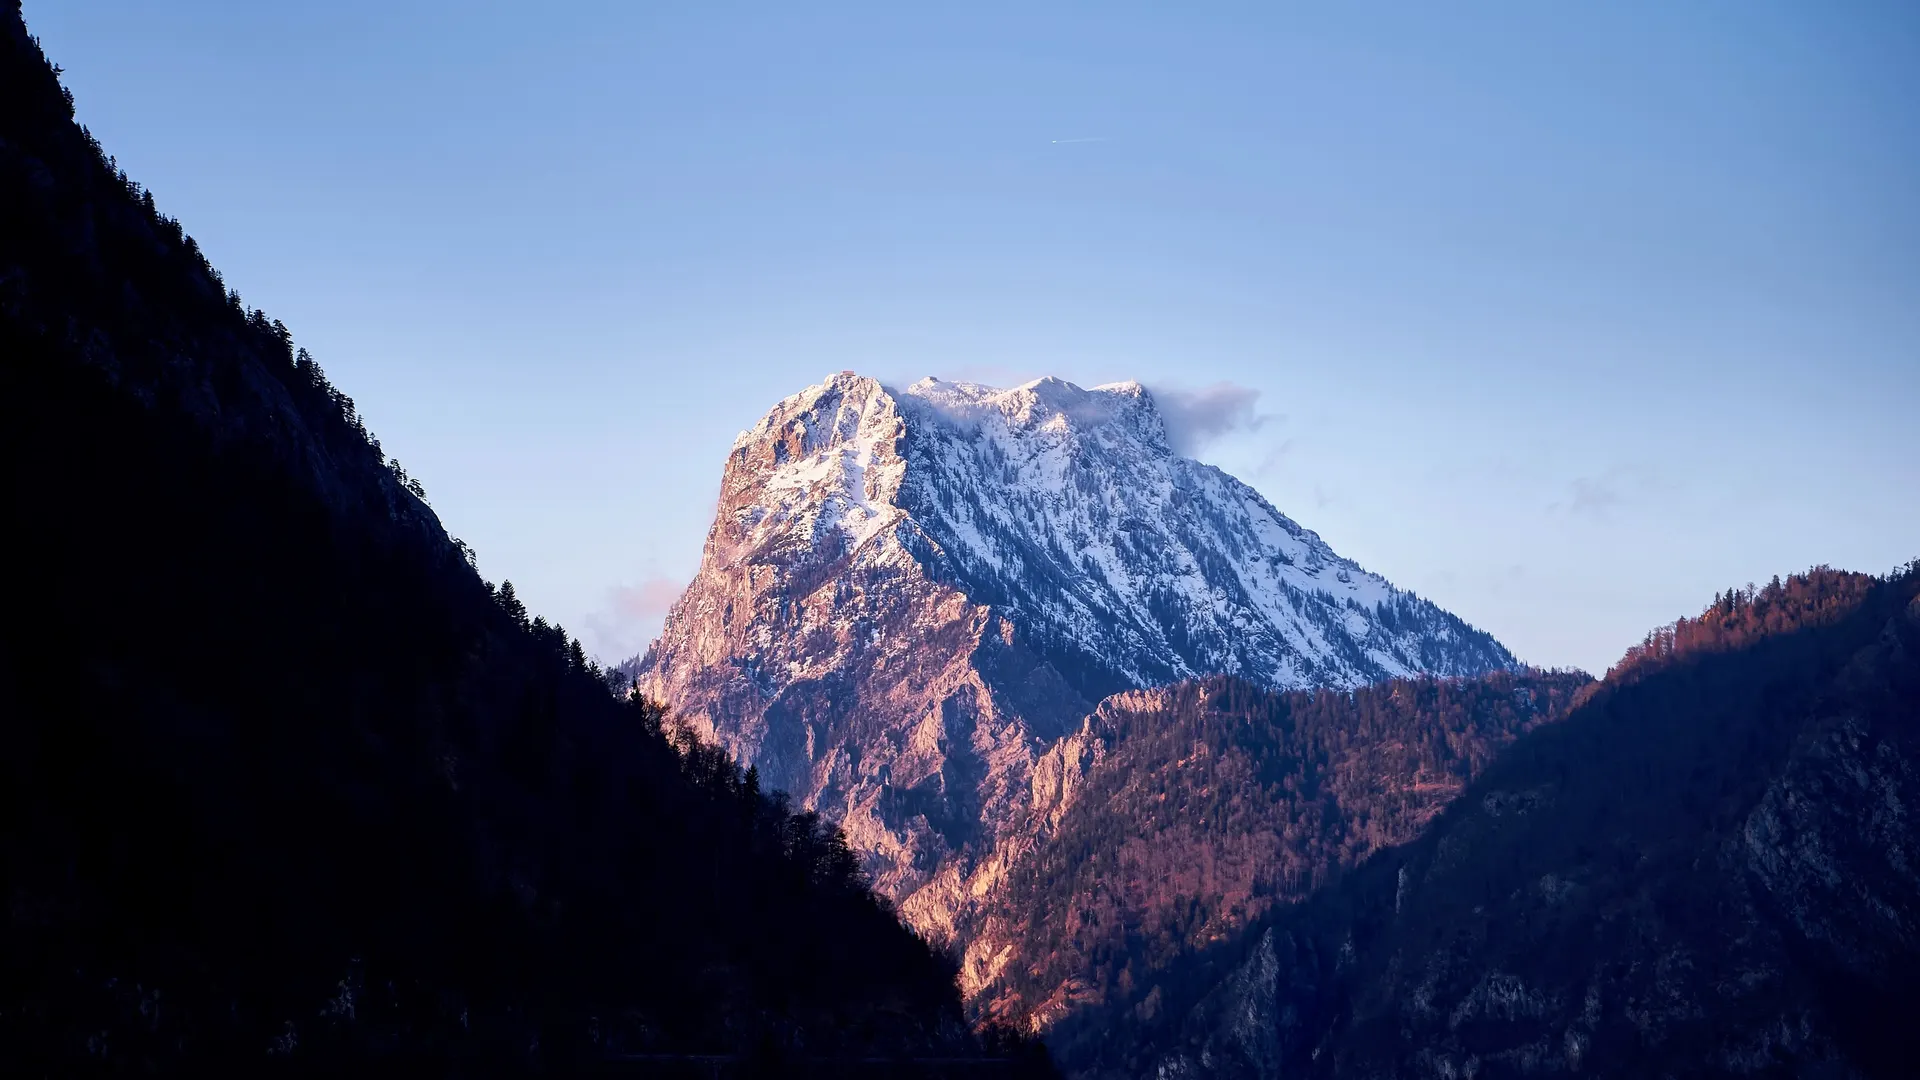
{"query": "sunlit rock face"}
{"type": "Point", "coordinates": [910, 599]}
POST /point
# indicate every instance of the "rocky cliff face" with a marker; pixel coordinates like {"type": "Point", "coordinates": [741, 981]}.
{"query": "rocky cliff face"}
{"type": "Point", "coordinates": [909, 600]}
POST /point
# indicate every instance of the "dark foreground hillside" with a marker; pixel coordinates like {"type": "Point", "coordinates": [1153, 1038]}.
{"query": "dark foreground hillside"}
{"type": "Point", "coordinates": [283, 780]}
{"type": "Point", "coordinates": [1710, 868]}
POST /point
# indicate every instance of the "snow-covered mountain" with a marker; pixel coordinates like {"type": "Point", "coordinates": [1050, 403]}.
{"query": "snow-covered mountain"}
{"type": "Point", "coordinates": [1068, 508]}
{"type": "Point", "coordinates": [910, 597]}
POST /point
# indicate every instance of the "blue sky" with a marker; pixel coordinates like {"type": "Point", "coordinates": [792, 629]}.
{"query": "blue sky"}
{"type": "Point", "coordinates": [1564, 316]}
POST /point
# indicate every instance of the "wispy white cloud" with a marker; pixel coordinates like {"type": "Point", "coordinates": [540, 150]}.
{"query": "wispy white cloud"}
{"type": "Point", "coordinates": [1196, 418]}
{"type": "Point", "coordinates": [1275, 458]}
{"type": "Point", "coordinates": [632, 615]}
{"type": "Point", "coordinates": [1596, 498]}
{"type": "Point", "coordinates": [651, 599]}
{"type": "Point", "coordinates": [1593, 496]}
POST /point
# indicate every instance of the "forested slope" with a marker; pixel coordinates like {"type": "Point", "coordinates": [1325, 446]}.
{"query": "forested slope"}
{"type": "Point", "coordinates": [1706, 869]}
{"type": "Point", "coordinates": [281, 775]}
{"type": "Point", "coordinates": [1207, 804]}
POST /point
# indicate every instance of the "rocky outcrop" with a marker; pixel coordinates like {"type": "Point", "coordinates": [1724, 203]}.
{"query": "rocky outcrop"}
{"type": "Point", "coordinates": [910, 599]}
{"type": "Point", "coordinates": [824, 644]}
{"type": "Point", "coordinates": [1834, 845]}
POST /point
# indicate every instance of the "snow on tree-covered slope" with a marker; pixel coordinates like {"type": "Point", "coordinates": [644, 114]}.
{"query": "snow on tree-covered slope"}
{"type": "Point", "coordinates": [910, 598]}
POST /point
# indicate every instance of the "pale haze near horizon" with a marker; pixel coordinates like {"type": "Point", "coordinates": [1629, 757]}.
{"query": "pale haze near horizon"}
{"type": "Point", "coordinates": [1564, 319]}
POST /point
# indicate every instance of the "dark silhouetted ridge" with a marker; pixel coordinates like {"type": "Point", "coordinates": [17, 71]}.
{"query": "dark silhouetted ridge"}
{"type": "Point", "coordinates": [285, 780]}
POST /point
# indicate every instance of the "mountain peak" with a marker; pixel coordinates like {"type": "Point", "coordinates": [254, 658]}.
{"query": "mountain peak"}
{"type": "Point", "coordinates": [909, 595]}
{"type": "Point", "coordinates": [1048, 404]}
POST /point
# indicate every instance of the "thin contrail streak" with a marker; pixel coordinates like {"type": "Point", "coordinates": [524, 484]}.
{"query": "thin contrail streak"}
{"type": "Point", "coordinates": [1097, 138]}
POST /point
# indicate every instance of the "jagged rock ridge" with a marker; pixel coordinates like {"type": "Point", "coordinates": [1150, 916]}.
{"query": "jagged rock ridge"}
{"type": "Point", "coordinates": [909, 596]}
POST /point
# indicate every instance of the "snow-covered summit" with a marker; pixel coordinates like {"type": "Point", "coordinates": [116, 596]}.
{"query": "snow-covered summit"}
{"type": "Point", "coordinates": [1049, 403]}
{"type": "Point", "coordinates": [1068, 507]}
{"type": "Point", "coordinates": [1067, 510]}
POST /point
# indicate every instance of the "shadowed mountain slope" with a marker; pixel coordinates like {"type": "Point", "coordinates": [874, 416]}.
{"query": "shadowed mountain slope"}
{"type": "Point", "coordinates": [284, 779]}
{"type": "Point", "coordinates": [1706, 869]}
